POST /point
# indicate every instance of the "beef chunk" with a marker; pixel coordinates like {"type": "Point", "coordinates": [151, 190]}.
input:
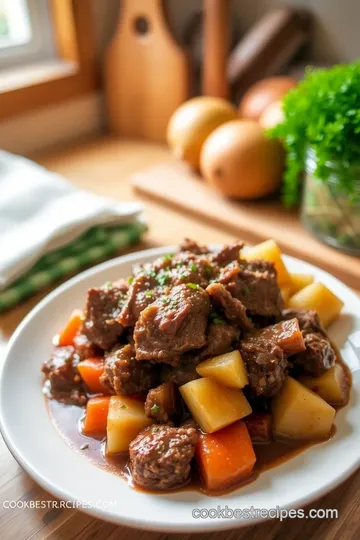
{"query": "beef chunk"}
{"type": "Point", "coordinates": [228, 254]}
{"type": "Point", "coordinates": [254, 283]}
{"type": "Point", "coordinates": [160, 402]}
{"type": "Point", "coordinates": [173, 325]}
{"type": "Point", "coordinates": [84, 348]}
{"type": "Point", "coordinates": [65, 382]}
{"type": "Point", "coordinates": [319, 355]}
{"type": "Point", "coordinates": [265, 354]}
{"type": "Point", "coordinates": [141, 294]}
{"type": "Point", "coordinates": [309, 321]}
{"type": "Point", "coordinates": [220, 339]}
{"type": "Point", "coordinates": [102, 308]}
{"type": "Point", "coordinates": [160, 456]}
{"type": "Point", "coordinates": [234, 309]}
{"type": "Point", "coordinates": [123, 374]}
{"type": "Point", "coordinates": [184, 372]}
{"type": "Point", "coordinates": [193, 247]}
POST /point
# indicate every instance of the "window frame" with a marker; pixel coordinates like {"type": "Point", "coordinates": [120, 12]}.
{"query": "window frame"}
{"type": "Point", "coordinates": [76, 60]}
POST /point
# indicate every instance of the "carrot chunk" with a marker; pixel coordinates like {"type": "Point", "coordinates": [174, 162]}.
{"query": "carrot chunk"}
{"type": "Point", "coordinates": [66, 336]}
{"type": "Point", "coordinates": [226, 457]}
{"type": "Point", "coordinates": [90, 371]}
{"type": "Point", "coordinates": [96, 415]}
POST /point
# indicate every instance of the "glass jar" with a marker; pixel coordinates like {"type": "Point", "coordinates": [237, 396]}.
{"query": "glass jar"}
{"type": "Point", "coordinates": [328, 211]}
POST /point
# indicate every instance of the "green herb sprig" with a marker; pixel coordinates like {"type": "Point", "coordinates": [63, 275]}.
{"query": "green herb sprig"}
{"type": "Point", "coordinates": [322, 113]}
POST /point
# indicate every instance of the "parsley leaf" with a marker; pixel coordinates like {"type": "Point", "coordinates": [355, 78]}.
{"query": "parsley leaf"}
{"type": "Point", "coordinates": [163, 278]}
{"type": "Point", "coordinates": [193, 285]}
{"type": "Point", "coordinates": [193, 267]}
{"type": "Point", "coordinates": [155, 408]}
{"type": "Point", "coordinates": [149, 293]}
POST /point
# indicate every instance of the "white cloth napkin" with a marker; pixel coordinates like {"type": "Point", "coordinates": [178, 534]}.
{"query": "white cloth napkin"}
{"type": "Point", "coordinates": [41, 211]}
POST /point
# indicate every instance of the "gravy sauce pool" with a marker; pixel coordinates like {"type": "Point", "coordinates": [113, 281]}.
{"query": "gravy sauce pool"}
{"type": "Point", "coordinates": [68, 420]}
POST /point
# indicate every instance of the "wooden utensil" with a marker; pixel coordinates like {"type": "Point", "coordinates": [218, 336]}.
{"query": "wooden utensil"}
{"type": "Point", "coordinates": [216, 48]}
{"type": "Point", "coordinates": [267, 47]}
{"type": "Point", "coordinates": [146, 72]}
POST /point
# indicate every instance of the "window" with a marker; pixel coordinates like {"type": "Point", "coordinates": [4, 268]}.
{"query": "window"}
{"type": "Point", "coordinates": [47, 53]}
{"type": "Point", "coordinates": [26, 33]}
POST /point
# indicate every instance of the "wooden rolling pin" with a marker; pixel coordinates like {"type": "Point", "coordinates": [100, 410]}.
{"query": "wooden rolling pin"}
{"type": "Point", "coordinates": [216, 48]}
{"type": "Point", "coordinates": [267, 47]}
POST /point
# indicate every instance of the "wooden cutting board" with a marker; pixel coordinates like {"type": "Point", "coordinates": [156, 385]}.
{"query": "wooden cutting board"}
{"type": "Point", "coordinates": [176, 186]}
{"type": "Point", "coordinates": [147, 73]}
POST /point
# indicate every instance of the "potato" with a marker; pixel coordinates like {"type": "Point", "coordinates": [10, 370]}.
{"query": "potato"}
{"type": "Point", "coordinates": [214, 406]}
{"type": "Point", "coordinates": [299, 281]}
{"type": "Point", "coordinates": [317, 296]}
{"type": "Point", "coordinates": [299, 413]}
{"type": "Point", "coordinates": [270, 251]}
{"type": "Point", "coordinates": [125, 420]}
{"type": "Point", "coordinates": [286, 292]}
{"type": "Point", "coordinates": [333, 385]}
{"type": "Point", "coordinates": [227, 369]}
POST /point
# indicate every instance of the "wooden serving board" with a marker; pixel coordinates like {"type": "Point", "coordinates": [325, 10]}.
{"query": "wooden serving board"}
{"type": "Point", "coordinates": [177, 186]}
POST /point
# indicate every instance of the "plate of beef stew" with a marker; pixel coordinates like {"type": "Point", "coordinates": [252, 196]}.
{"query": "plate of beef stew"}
{"type": "Point", "coordinates": [181, 378]}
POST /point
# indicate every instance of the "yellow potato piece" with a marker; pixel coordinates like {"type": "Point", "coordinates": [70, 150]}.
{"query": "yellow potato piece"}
{"type": "Point", "coordinates": [126, 418]}
{"type": "Point", "coordinates": [227, 369]}
{"type": "Point", "coordinates": [299, 281]}
{"type": "Point", "coordinates": [270, 251]}
{"type": "Point", "coordinates": [317, 296]}
{"type": "Point", "coordinates": [333, 385]}
{"type": "Point", "coordinates": [299, 413]}
{"type": "Point", "coordinates": [214, 406]}
{"type": "Point", "coordinates": [286, 293]}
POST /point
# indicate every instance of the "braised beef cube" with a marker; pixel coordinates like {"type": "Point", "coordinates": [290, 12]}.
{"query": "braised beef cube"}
{"type": "Point", "coordinates": [124, 375]}
{"type": "Point", "coordinates": [309, 321]}
{"type": "Point", "coordinates": [193, 247]}
{"type": "Point", "coordinates": [160, 456]}
{"type": "Point", "coordinates": [103, 306]}
{"type": "Point", "coordinates": [173, 325]}
{"type": "Point", "coordinates": [228, 254]}
{"type": "Point", "coordinates": [190, 268]}
{"type": "Point", "coordinates": [286, 334]}
{"type": "Point", "coordinates": [84, 348]}
{"type": "Point", "coordinates": [234, 309]}
{"type": "Point", "coordinates": [160, 402]}
{"type": "Point", "coordinates": [142, 292]}
{"type": "Point", "coordinates": [184, 372]}
{"type": "Point", "coordinates": [319, 355]}
{"type": "Point", "coordinates": [254, 283]}
{"type": "Point", "coordinates": [266, 365]}
{"type": "Point", "coordinates": [221, 338]}
{"type": "Point", "coordinates": [61, 372]}
{"type": "Point", "coordinates": [259, 426]}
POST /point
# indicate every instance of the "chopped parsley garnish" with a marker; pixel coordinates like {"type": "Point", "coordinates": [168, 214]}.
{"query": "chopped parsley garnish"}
{"type": "Point", "coordinates": [208, 270]}
{"type": "Point", "coordinates": [218, 320]}
{"type": "Point", "coordinates": [193, 285]}
{"type": "Point", "coordinates": [163, 447]}
{"type": "Point", "coordinates": [193, 267]}
{"type": "Point", "coordinates": [179, 265]}
{"type": "Point", "coordinates": [183, 275]}
{"type": "Point", "coordinates": [212, 281]}
{"type": "Point", "coordinates": [108, 285]}
{"type": "Point", "coordinates": [168, 257]}
{"type": "Point", "coordinates": [155, 408]}
{"type": "Point", "coordinates": [149, 293]}
{"type": "Point", "coordinates": [84, 446]}
{"type": "Point", "coordinates": [130, 280]}
{"type": "Point", "coordinates": [166, 301]}
{"type": "Point", "coordinates": [151, 273]}
{"type": "Point", "coordinates": [163, 278]}
{"type": "Point", "coordinates": [245, 290]}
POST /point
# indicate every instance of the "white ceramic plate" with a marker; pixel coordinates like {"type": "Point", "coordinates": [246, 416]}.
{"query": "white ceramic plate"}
{"type": "Point", "coordinates": [37, 446]}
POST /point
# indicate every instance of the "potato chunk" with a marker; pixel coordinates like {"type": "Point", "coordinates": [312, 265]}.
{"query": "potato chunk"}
{"type": "Point", "coordinates": [299, 413]}
{"type": "Point", "coordinates": [126, 418]}
{"type": "Point", "coordinates": [214, 406]}
{"type": "Point", "coordinates": [227, 369]}
{"type": "Point", "coordinates": [299, 281]}
{"type": "Point", "coordinates": [286, 293]}
{"type": "Point", "coordinates": [317, 296]}
{"type": "Point", "coordinates": [333, 385]}
{"type": "Point", "coordinates": [270, 251]}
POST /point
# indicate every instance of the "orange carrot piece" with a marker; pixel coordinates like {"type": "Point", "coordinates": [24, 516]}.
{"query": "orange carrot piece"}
{"type": "Point", "coordinates": [225, 457]}
{"type": "Point", "coordinates": [90, 371]}
{"type": "Point", "coordinates": [96, 415]}
{"type": "Point", "coordinates": [66, 336]}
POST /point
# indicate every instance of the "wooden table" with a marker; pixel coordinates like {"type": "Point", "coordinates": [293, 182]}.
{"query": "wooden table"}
{"type": "Point", "coordinates": [103, 166]}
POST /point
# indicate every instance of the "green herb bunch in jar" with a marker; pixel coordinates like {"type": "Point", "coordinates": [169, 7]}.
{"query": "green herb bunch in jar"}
{"type": "Point", "coordinates": [321, 135]}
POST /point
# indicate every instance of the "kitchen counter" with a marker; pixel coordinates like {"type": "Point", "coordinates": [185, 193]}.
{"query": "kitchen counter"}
{"type": "Point", "coordinates": [103, 166]}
